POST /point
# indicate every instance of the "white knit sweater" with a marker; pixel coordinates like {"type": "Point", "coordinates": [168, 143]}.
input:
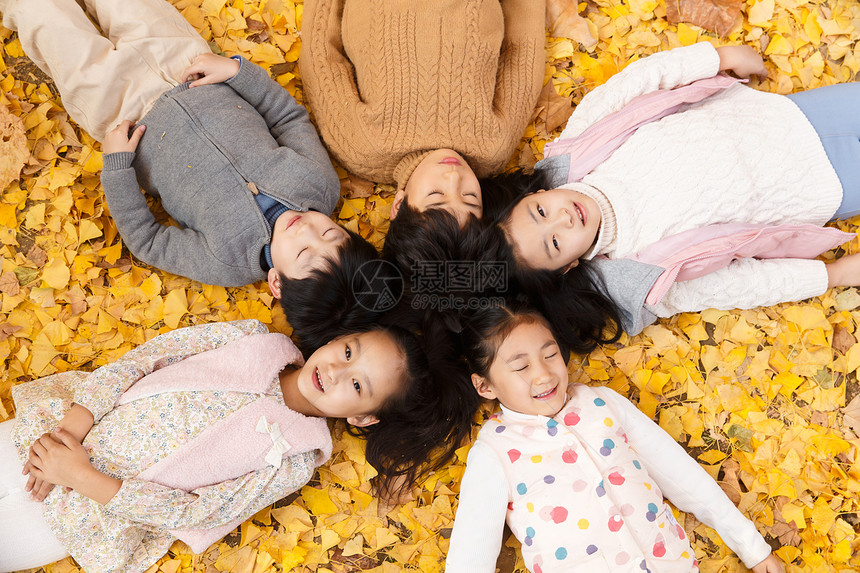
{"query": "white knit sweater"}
{"type": "Point", "coordinates": [738, 156]}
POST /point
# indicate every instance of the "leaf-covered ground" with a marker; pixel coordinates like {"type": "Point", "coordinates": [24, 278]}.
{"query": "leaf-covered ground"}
{"type": "Point", "coordinates": [765, 399]}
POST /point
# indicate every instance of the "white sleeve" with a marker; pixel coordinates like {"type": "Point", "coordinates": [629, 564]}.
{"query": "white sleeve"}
{"type": "Point", "coordinates": [746, 283]}
{"type": "Point", "coordinates": [477, 536]}
{"type": "Point", "coordinates": [685, 482]}
{"type": "Point", "coordinates": [663, 70]}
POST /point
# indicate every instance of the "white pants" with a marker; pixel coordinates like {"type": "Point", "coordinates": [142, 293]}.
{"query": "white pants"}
{"type": "Point", "coordinates": [25, 540]}
{"type": "Point", "coordinates": [105, 79]}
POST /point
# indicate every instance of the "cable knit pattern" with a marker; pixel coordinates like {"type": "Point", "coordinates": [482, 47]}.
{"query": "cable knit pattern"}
{"type": "Point", "coordinates": [391, 78]}
{"type": "Point", "coordinates": [738, 156]}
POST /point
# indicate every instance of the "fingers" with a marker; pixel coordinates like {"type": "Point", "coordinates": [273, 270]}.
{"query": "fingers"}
{"type": "Point", "coordinates": [31, 482]}
{"type": "Point", "coordinates": [136, 135]}
{"type": "Point", "coordinates": [42, 490]}
{"type": "Point", "coordinates": [202, 81]}
{"type": "Point", "coordinates": [65, 437]}
{"type": "Point", "coordinates": [124, 126]}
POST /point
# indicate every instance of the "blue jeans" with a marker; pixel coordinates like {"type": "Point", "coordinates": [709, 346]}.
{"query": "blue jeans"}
{"type": "Point", "coordinates": [834, 112]}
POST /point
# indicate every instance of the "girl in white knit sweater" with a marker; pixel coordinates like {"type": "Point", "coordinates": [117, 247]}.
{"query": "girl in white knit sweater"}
{"type": "Point", "coordinates": [739, 156]}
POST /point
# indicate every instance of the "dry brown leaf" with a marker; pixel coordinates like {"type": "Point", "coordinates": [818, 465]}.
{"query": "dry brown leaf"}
{"type": "Point", "coordinates": [730, 483]}
{"type": "Point", "coordinates": [14, 152]}
{"type": "Point", "coordinates": [354, 187]}
{"type": "Point", "coordinates": [715, 15]}
{"type": "Point", "coordinates": [552, 109]}
{"type": "Point", "coordinates": [563, 21]}
{"type": "Point", "coordinates": [38, 256]}
{"type": "Point", "coordinates": [843, 339]}
{"type": "Point", "coordinates": [7, 330]}
{"type": "Point", "coordinates": [9, 284]}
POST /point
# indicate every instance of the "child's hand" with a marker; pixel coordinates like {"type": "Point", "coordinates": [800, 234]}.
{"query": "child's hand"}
{"type": "Point", "coordinates": [770, 565]}
{"type": "Point", "coordinates": [38, 488]}
{"type": "Point", "coordinates": [59, 459]}
{"type": "Point", "coordinates": [210, 69]}
{"type": "Point", "coordinates": [844, 271]}
{"type": "Point", "coordinates": [744, 61]}
{"type": "Point", "coordinates": [118, 138]}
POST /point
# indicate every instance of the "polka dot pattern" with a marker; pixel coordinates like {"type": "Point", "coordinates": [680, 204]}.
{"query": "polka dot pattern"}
{"type": "Point", "coordinates": [581, 490]}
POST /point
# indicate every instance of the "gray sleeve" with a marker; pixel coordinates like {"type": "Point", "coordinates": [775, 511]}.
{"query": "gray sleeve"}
{"type": "Point", "coordinates": [184, 252]}
{"type": "Point", "coordinates": [626, 283]}
{"type": "Point", "coordinates": [290, 125]}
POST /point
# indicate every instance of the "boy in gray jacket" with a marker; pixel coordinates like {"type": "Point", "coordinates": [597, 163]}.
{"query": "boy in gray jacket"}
{"type": "Point", "coordinates": [235, 159]}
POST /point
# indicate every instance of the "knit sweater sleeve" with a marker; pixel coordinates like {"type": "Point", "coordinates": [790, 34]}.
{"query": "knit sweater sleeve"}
{"type": "Point", "coordinates": [685, 482]}
{"type": "Point", "coordinates": [663, 70]}
{"type": "Point", "coordinates": [746, 283]}
{"type": "Point", "coordinates": [289, 123]}
{"type": "Point", "coordinates": [521, 64]}
{"type": "Point", "coordinates": [214, 505]}
{"type": "Point", "coordinates": [477, 535]}
{"type": "Point", "coordinates": [328, 77]}
{"type": "Point", "coordinates": [99, 391]}
{"type": "Point", "coordinates": [177, 250]}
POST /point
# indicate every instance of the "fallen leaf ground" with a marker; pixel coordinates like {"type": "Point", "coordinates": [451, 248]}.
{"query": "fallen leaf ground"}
{"type": "Point", "coordinates": [765, 399]}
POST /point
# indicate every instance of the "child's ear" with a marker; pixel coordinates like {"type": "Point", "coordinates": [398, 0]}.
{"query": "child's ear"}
{"type": "Point", "coordinates": [570, 266]}
{"type": "Point", "coordinates": [399, 196]}
{"type": "Point", "coordinates": [274, 280]}
{"type": "Point", "coordinates": [363, 421]}
{"type": "Point", "coordinates": [482, 387]}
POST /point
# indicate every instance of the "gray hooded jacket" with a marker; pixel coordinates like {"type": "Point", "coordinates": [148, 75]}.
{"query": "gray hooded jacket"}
{"type": "Point", "coordinates": [205, 152]}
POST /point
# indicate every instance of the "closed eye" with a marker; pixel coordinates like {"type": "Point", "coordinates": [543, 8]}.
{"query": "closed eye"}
{"type": "Point", "coordinates": [301, 252]}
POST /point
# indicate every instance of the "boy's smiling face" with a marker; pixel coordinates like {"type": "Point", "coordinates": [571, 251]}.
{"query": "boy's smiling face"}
{"type": "Point", "coordinates": [528, 374]}
{"type": "Point", "coordinates": [304, 241]}
{"type": "Point", "coordinates": [551, 230]}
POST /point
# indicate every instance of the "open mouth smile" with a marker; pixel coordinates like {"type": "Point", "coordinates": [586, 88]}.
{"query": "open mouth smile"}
{"type": "Point", "coordinates": [549, 394]}
{"type": "Point", "coordinates": [317, 382]}
{"type": "Point", "coordinates": [580, 213]}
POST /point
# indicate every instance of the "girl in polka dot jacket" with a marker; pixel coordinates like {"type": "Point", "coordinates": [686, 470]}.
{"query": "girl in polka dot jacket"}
{"type": "Point", "coordinates": [578, 472]}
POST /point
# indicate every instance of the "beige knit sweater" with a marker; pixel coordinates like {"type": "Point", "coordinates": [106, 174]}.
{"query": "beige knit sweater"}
{"type": "Point", "coordinates": [389, 80]}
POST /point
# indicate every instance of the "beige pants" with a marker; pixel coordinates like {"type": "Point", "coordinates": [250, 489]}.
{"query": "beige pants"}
{"type": "Point", "coordinates": [109, 76]}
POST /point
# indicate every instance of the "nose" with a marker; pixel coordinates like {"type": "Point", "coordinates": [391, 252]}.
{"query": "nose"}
{"type": "Point", "coordinates": [335, 373]}
{"type": "Point", "coordinates": [542, 375]}
{"type": "Point", "coordinates": [565, 217]}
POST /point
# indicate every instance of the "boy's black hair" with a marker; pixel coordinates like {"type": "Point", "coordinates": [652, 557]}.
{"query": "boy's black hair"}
{"type": "Point", "coordinates": [330, 303]}
{"type": "Point", "coordinates": [580, 314]}
{"type": "Point", "coordinates": [420, 429]}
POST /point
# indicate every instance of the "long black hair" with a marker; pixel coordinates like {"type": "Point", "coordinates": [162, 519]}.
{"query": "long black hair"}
{"type": "Point", "coordinates": [328, 304]}
{"type": "Point", "coordinates": [420, 429]}
{"type": "Point", "coordinates": [580, 314]}
{"type": "Point", "coordinates": [447, 268]}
